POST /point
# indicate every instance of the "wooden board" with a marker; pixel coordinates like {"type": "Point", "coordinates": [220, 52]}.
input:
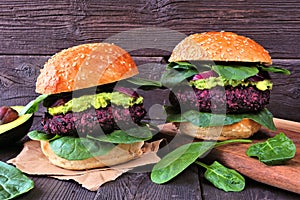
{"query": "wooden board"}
{"type": "Point", "coordinates": [286, 176]}
{"type": "Point", "coordinates": [45, 27]}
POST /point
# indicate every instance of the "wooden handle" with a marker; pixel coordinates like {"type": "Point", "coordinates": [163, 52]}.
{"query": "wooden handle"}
{"type": "Point", "coordinates": [286, 124]}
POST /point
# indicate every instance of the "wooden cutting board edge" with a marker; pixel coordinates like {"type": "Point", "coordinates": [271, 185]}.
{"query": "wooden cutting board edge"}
{"type": "Point", "coordinates": [286, 177]}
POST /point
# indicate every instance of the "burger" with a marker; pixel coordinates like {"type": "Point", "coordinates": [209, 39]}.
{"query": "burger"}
{"type": "Point", "coordinates": [220, 86]}
{"type": "Point", "coordinates": [90, 119]}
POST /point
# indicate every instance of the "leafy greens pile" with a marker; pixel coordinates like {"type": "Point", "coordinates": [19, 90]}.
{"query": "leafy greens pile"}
{"type": "Point", "coordinates": [177, 72]}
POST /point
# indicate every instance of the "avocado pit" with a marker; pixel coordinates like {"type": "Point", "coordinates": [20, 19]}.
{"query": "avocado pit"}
{"type": "Point", "coordinates": [13, 127]}
{"type": "Point", "coordinates": [7, 114]}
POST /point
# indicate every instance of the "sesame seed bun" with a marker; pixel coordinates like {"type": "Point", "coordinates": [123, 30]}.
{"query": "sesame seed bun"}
{"type": "Point", "coordinates": [119, 154]}
{"type": "Point", "coordinates": [220, 46]}
{"type": "Point", "coordinates": [243, 129]}
{"type": "Point", "coordinates": [84, 66]}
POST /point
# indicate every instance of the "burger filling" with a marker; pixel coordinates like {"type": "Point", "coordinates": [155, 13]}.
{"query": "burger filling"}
{"type": "Point", "coordinates": [242, 89]}
{"type": "Point", "coordinates": [92, 114]}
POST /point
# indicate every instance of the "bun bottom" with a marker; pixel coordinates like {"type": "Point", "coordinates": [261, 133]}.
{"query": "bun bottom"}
{"type": "Point", "coordinates": [243, 129]}
{"type": "Point", "coordinates": [119, 154]}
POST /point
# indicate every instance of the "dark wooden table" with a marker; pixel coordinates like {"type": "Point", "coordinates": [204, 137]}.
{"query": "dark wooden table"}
{"type": "Point", "coordinates": [32, 31]}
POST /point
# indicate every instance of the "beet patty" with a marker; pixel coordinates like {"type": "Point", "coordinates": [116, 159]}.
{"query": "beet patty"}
{"type": "Point", "coordinates": [93, 121]}
{"type": "Point", "coordinates": [237, 99]}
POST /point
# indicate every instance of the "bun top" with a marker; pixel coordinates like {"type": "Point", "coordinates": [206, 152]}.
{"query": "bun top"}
{"type": "Point", "coordinates": [220, 46]}
{"type": "Point", "coordinates": [84, 66]}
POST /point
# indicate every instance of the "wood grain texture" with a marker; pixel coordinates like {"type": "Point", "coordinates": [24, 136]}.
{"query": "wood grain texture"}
{"type": "Point", "coordinates": [139, 186]}
{"type": "Point", "coordinates": [253, 190]}
{"type": "Point", "coordinates": [45, 27]}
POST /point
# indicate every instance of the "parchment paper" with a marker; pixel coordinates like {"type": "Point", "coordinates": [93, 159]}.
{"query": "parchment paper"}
{"type": "Point", "coordinates": [32, 161]}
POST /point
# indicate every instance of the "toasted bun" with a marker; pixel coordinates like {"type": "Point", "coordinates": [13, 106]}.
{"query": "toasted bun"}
{"type": "Point", "coordinates": [119, 154]}
{"type": "Point", "coordinates": [84, 66]}
{"type": "Point", "coordinates": [220, 46]}
{"type": "Point", "coordinates": [242, 129]}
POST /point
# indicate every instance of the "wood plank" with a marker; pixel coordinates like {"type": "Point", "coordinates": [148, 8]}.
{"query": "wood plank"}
{"type": "Point", "coordinates": [285, 95]}
{"type": "Point", "coordinates": [139, 186]}
{"type": "Point", "coordinates": [45, 27]}
{"type": "Point", "coordinates": [50, 188]}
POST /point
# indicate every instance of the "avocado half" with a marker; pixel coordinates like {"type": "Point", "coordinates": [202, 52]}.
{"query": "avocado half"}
{"type": "Point", "coordinates": [17, 129]}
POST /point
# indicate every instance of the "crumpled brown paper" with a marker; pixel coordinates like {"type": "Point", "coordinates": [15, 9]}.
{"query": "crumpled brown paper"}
{"type": "Point", "coordinates": [32, 161]}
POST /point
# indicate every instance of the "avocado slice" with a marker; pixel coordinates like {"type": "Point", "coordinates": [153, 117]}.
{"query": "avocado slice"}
{"type": "Point", "coordinates": [17, 129]}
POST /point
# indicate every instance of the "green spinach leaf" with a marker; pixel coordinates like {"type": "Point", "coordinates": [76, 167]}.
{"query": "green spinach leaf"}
{"type": "Point", "coordinates": [173, 77]}
{"type": "Point", "coordinates": [202, 119]}
{"type": "Point", "coordinates": [40, 135]}
{"type": "Point", "coordinates": [33, 105]}
{"type": "Point", "coordinates": [235, 72]}
{"type": "Point", "coordinates": [72, 148]}
{"type": "Point", "coordinates": [145, 82]}
{"type": "Point", "coordinates": [126, 137]}
{"type": "Point", "coordinates": [273, 151]}
{"type": "Point", "coordinates": [13, 182]}
{"type": "Point", "coordinates": [176, 72]}
{"type": "Point", "coordinates": [180, 65]}
{"type": "Point", "coordinates": [275, 69]}
{"type": "Point", "coordinates": [223, 178]}
{"type": "Point", "coordinates": [178, 160]}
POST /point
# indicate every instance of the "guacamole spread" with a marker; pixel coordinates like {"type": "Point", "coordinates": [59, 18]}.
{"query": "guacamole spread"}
{"type": "Point", "coordinates": [97, 101]}
{"type": "Point", "coordinates": [211, 82]}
